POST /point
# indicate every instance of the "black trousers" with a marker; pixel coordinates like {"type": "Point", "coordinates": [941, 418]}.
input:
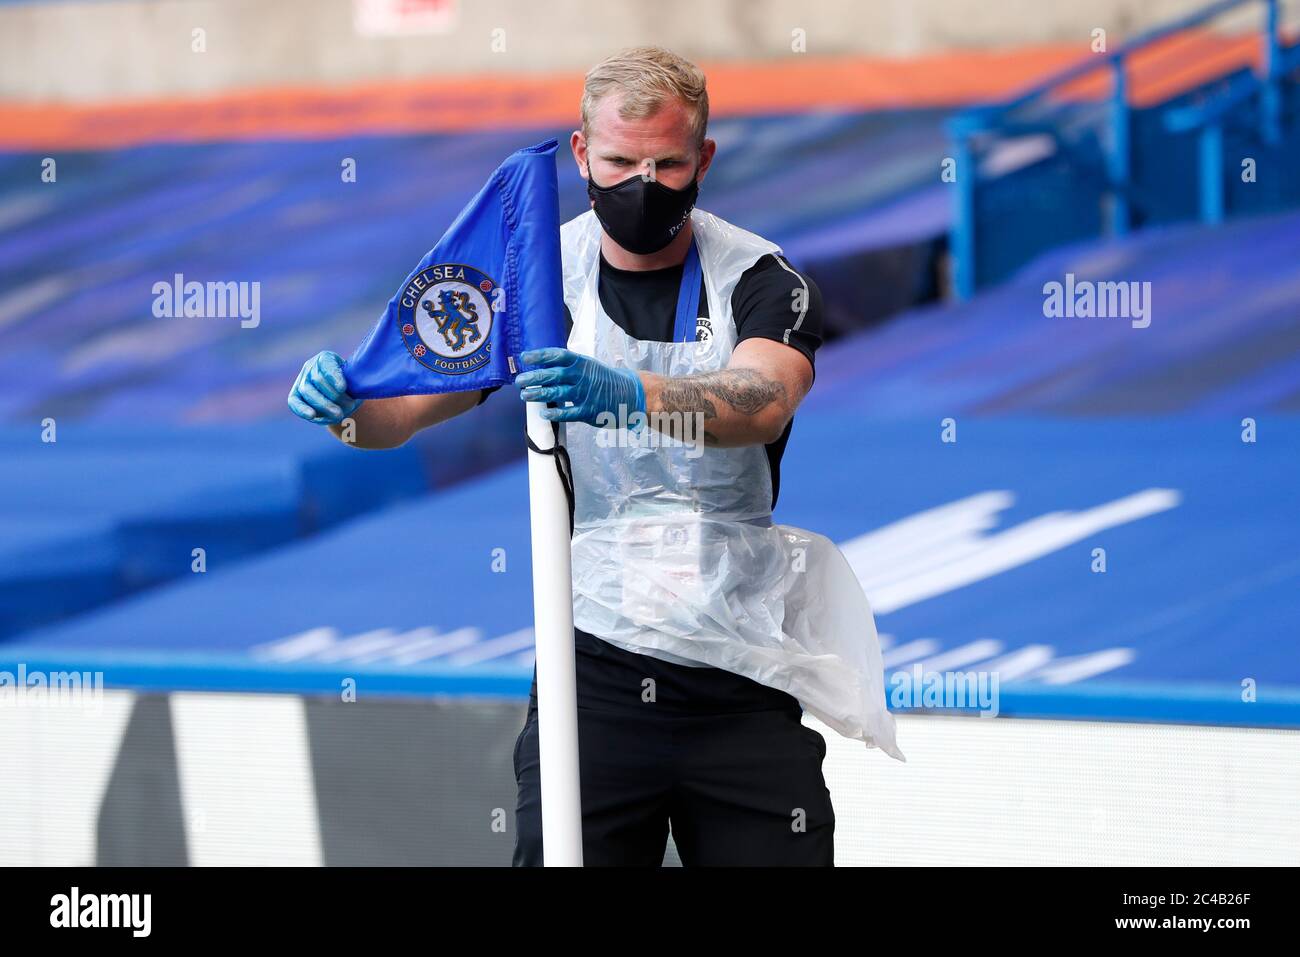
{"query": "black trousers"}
{"type": "Point", "coordinates": [723, 761]}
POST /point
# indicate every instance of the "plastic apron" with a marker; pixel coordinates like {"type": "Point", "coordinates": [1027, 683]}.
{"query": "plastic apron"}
{"type": "Point", "coordinates": [674, 551]}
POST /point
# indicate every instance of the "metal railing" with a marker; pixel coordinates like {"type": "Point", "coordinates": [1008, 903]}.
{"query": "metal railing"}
{"type": "Point", "coordinates": [1046, 109]}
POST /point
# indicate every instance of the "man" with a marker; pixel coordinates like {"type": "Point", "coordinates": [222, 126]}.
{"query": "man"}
{"type": "Point", "coordinates": [706, 330]}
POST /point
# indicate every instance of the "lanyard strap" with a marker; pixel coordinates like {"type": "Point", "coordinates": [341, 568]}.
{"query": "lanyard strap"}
{"type": "Point", "coordinates": [688, 297]}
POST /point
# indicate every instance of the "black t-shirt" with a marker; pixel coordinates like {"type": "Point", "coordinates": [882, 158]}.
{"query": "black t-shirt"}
{"type": "Point", "coordinates": [771, 301]}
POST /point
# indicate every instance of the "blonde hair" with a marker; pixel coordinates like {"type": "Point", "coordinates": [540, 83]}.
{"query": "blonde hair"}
{"type": "Point", "coordinates": [645, 77]}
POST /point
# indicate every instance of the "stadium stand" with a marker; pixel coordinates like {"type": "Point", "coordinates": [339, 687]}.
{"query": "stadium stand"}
{"type": "Point", "coordinates": [1181, 122]}
{"type": "Point", "coordinates": [136, 499]}
{"type": "Point", "coordinates": [328, 254]}
{"type": "Point", "coordinates": [974, 552]}
{"type": "Point", "coordinates": [1222, 340]}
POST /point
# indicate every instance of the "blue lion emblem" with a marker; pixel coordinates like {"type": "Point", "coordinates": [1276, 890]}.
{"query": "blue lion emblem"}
{"type": "Point", "coordinates": [456, 316]}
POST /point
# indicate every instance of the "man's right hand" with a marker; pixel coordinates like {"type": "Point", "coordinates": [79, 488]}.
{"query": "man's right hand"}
{"type": "Point", "coordinates": [320, 393]}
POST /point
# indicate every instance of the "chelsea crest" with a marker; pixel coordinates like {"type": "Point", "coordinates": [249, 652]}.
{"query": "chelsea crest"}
{"type": "Point", "coordinates": [445, 315]}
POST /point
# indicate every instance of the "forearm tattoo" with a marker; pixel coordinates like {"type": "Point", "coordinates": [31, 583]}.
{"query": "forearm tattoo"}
{"type": "Point", "coordinates": [747, 391]}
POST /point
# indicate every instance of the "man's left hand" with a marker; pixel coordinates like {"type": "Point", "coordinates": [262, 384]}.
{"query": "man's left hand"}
{"type": "Point", "coordinates": [583, 389]}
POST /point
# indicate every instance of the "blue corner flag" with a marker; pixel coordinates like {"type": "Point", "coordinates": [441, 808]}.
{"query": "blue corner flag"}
{"type": "Point", "coordinates": [490, 290]}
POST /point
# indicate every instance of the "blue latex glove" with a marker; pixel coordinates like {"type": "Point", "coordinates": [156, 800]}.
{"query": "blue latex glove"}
{"type": "Point", "coordinates": [592, 386]}
{"type": "Point", "coordinates": [320, 393]}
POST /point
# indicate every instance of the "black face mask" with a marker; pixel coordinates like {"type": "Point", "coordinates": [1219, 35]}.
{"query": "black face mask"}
{"type": "Point", "coordinates": [643, 216]}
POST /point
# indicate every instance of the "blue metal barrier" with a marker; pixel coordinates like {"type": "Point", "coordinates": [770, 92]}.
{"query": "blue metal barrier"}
{"type": "Point", "coordinates": [1077, 130]}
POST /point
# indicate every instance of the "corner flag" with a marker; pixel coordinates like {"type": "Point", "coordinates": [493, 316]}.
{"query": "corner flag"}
{"type": "Point", "coordinates": [490, 290]}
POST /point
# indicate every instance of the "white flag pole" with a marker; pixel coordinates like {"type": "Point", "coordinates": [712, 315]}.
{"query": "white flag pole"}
{"type": "Point", "coordinates": [557, 686]}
